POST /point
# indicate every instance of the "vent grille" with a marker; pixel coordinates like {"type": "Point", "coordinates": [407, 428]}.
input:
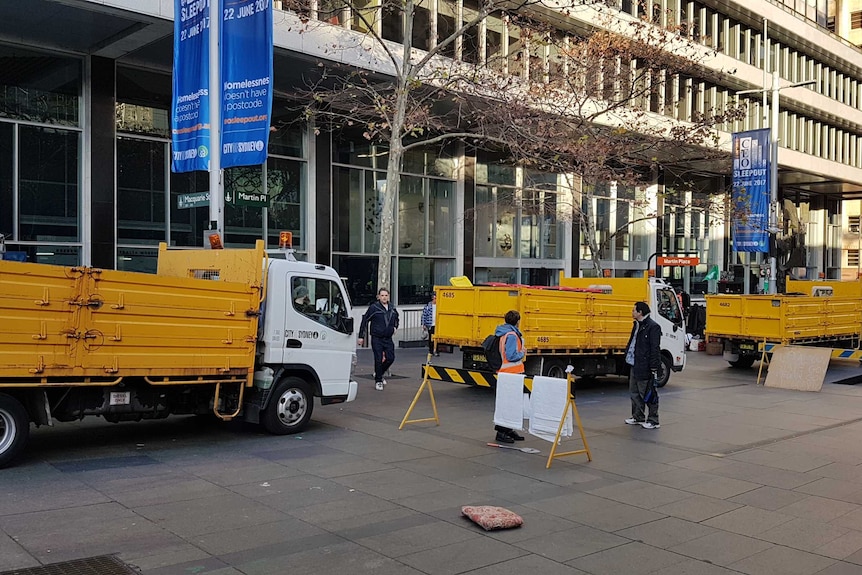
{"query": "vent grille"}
{"type": "Point", "coordinates": [101, 565]}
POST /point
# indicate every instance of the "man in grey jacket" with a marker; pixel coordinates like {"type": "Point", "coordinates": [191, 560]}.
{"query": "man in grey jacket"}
{"type": "Point", "coordinates": [644, 356]}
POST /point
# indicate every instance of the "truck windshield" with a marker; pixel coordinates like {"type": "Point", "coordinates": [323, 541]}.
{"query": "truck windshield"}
{"type": "Point", "coordinates": [320, 300]}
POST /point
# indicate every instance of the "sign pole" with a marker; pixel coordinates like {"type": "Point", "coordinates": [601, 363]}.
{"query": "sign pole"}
{"type": "Point", "coordinates": [215, 180]}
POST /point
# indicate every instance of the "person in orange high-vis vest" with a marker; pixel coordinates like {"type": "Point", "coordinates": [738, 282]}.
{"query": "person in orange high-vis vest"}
{"type": "Point", "coordinates": [512, 352]}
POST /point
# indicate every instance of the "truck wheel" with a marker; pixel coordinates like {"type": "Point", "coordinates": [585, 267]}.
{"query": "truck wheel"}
{"type": "Point", "coordinates": [664, 373]}
{"type": "Point", "coordinates": [555, 368]}
{"type": "Point", "coordinates": [14, 429]}
{"type": "Point", "coordinates": [289, 407]}
{"type": "Point", "coordinates": [744, 362]}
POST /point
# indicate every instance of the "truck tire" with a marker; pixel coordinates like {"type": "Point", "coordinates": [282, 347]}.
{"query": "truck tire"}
{"type": "Point", "coordinates": [555, 368]}
{"type": "Point", "coordinates": [744, 362]}
{"type": "Point", "coordinates": [14, 429]}
{"type": "Point", "coordinates": [664, 373]}
{"type": "Point", "coordinates": [289, 408]}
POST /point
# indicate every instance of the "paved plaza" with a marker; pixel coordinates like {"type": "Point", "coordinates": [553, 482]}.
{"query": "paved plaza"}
{"type": "Point", "coordinates": [739, 479]}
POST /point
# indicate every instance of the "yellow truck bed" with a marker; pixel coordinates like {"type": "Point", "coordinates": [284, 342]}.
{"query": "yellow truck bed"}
{"type": "Point", "coordinates": [66, 325]}
{"type": "Point", "coordinates": [783, 318]}
{"type": "Point", "coordinates": [555, 320]}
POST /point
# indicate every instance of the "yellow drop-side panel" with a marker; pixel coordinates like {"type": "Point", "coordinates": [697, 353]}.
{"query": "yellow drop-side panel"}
{"type": "Point", "coordinates": [168, 326]}
{"type": "Point", "coordinates": [784, 318]}
{"type": "Point", "coordinates": [551, 319]}
{"type": "Point", "coordinates": [82, 322]}
{"type": "Point", "coordinates": [36, 314]}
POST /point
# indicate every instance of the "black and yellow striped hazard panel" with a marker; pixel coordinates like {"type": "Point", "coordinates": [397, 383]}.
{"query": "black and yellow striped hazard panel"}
{"type": "Point", "coordinates": [465, 376]}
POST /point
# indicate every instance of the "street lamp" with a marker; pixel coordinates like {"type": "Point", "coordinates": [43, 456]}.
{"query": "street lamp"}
{"type": "Point", "coordinates": [772, 226]}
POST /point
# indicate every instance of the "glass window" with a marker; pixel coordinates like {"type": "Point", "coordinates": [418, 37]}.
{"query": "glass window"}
{"type": "Point", "coordinates": [7, 188]}
{"type": "Point", "coordinates": [361, 277]}
{"type": "Point", "coordinates": [144, 260]}
{"type": "Point", "coordinates": [243, 220]}
{"type": "Point", "coordinates": [421, 28]}
{"type": "Point", "coordinates": [143, 101]}
{"type": "Point", "coordinates": [441, 218]}
{"type": "Point", "coordinates": [188, 221]}
{"type": "Point", "coordinates": [446, 26]}
{"type": "Point", "coordinates": [393, 22]}
{"type": "Point", "coordinates": [412, 208]}
{"type": "Point", "coordinates": [285, 181]}
{"type": "Point", "coordinates": [347, 212]}
{"type": "Point", "coordinates": [141, 168]}
{"type": "Point", "coordinates": [494, 41]}
{"type": "Point", "coordinates": [285, 138]}
{"type": "Point", "coordinates": [418, 276]}
{"type": "Point", "coordinates": [48, 184]}
{"type": "Point", "coordinates": [38, 87]}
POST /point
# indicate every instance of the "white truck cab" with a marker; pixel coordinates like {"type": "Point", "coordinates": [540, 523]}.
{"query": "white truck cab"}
{"type": "Point", "coordinates": [306, 345]}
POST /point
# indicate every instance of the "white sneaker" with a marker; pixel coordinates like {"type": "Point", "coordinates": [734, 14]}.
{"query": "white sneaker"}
{"type": "Point", "coordinates": [633, 421]}
{"type": "Point", "coordinates": [378, 386]}
{"type": "Point", "coordinates": [648, 425]}
{"type": "Point", "coordinates": [384, 381]}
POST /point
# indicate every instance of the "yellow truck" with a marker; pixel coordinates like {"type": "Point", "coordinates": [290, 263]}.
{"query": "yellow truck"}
{"type": "Point", "coordinates": [585, 322]}
{"type": "Point", "coordinates": [825, 314]}
{"type": "Point", "coordinates": [213, 332]}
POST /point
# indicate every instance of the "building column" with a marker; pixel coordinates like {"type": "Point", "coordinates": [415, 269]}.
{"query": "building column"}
{"type": "Point", "coordinates": [98, 219]}
{"type": "Point", "coordinates": [321, 182]}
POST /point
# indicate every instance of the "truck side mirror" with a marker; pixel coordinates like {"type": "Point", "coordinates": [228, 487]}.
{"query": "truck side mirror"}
{"type": "Point", "coordinates": [347, 322]}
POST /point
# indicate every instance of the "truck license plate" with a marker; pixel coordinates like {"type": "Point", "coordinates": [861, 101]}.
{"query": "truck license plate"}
{"type": "Point", "coordinates": [120, 397]}
{"type": "Point", "coordinates": [746, 346]}
{"type": "Point", "coordinates": [479, 358]}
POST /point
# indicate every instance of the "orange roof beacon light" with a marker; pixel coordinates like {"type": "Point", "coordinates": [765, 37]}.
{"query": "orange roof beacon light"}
{"type": "Point", "coordinates": [215, 241]}
{"type": "Point", "coordinates": [285, 240]}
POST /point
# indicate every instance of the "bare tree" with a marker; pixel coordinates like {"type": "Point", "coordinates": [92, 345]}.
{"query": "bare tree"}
{"type": "Point", "coordinates": [592, 104]}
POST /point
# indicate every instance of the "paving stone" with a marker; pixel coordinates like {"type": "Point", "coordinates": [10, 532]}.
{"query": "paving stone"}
{"type": "Point", "coordinates": [770, 498]}
{"type": "Point", "coordinates": [633, 558]}
{"type": "Point", "coordinates": [462, 557]}
{"type": "Point", "coordinates": [562, 546]}
{"type": "Point", "coordinates": [819, 508]}
{"type": "Point", "coordinates": [527, 564]}
{"type": "Point", "coordinates": [842, 568]}
{"type": "Point", "coordinates": [803, 534]}
{"type": "Point", "coordinates": [694, 567]}
{"type": "Point", "coordinates": [667, 532]}
{"type": "Point", "coordinates": [697, 508]}
{"type": "Point", "coordinates": [641, 494]}
{"type": "Point", "coordinates": [402, 539]}
{"type": "Point", "coordinates": [721, 548]}
{"type": "Point", "coordinates": [208, 515]}
{"type": "Point", "coordinates": [722, 487]}
{"type": "Point", "coordinates": [783, 561]}
{"type": "Point", "coordinates": [749, 521]}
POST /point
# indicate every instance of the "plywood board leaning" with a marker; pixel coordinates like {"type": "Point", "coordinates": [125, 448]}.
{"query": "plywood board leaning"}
{"type": "Point", "coordinates": [799, 368]}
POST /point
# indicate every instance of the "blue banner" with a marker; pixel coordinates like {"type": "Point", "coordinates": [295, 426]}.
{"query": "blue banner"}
{"type": "Point", "coordinates": [246, 76]}
{"type": "Point", "coordinates": [190, 116]}
{"type": "Point", "coordinates": [751, 191]}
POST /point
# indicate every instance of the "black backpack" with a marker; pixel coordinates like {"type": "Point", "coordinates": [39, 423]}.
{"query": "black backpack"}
{"type": "Point", "coordinates": [491, 345]}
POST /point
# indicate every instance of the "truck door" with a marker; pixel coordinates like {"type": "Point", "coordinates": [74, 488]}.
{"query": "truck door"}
{"type": "Point", "coordinates": [668, 314]}
{"type": "Point", "coordinates": [319, 331]}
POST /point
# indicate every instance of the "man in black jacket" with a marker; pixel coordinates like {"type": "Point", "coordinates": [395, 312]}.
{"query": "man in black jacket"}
{"type": "Point", "coordinates": [644, 357]}
{"type": "Point", "coordinates": [383, 320]}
